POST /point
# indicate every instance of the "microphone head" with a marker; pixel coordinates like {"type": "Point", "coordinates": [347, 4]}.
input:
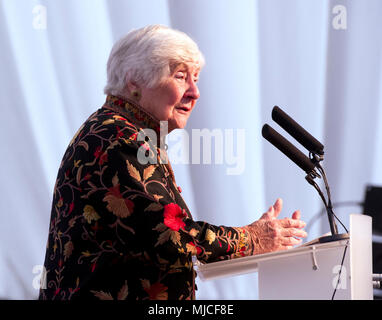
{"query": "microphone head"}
{"type": "Point", "coordinates": [297, 132]}
{"type": "Point", "coordinates": [287, 148]}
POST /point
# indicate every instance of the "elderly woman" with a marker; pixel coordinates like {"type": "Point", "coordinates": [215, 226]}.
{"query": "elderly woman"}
{"type": "Point", "coordinates": [119, 227]}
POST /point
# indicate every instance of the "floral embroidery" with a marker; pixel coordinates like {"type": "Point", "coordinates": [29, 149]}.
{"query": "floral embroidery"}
{"type": "Point", "coordinates": [157, 291]}
{"type": "Point", "coordinates": [90, 214]}
{"type": "Point", "coordinates": [120, 229]}
{"type": "Point", "coordinates": [173, 216]}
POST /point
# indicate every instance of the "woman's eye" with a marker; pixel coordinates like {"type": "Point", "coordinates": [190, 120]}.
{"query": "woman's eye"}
{"type": "Point", "coordinates": [180, 75]}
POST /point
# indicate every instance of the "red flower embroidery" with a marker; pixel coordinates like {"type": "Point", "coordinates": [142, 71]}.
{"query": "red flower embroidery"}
{"type": "Point", "coordinates": [103, 158]}
{"type": "Point", "coordinates": [73, 290]}
{"type": "Point", "coordinates": [157, 291]}
{"type": "Point", "coordinates": [133, 136]}
{"type": "Point", "coordinates": [96, 227]}
{"type": "Point", "coordinates": [195, 248]}
{"type": "Point", "coordinates": [173, 216]}
{"type": "Point", "coordinates": [117, 204]}
{"type": "Point", "coordinates": [101, 155]}
{"type": "Point", "coordinates": [120, 133]}
{"type": "Point", "coordinates": [97, 152]}
{"type": "Point", "coordinates": [71, 207]}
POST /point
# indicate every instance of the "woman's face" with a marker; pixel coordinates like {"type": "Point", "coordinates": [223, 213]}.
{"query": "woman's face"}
{"type": "Point", "coordinates": [174, 98]}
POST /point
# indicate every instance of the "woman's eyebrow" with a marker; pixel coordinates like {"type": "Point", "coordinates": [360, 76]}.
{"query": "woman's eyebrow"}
{"type": "Point", "coordinates": [182, 67]}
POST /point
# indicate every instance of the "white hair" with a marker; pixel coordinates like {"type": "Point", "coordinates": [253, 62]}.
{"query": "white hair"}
{"type": "Point", "coordinates": [145, 56]}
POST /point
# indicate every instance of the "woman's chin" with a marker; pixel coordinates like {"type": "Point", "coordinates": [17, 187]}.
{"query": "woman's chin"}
{"type": "Point", "coordinates": [179, 123]}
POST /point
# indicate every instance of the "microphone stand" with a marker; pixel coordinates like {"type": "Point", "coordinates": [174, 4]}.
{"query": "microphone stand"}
{"type": "Point", "coordinates": [335, 236]}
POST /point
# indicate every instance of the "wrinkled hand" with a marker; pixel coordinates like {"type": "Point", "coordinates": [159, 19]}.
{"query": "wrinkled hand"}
{"type": "Point", "coordinates": [271, 234]}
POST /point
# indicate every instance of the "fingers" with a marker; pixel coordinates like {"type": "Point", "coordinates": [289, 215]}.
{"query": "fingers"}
{"type": "Point", "coordinates": [292, 223]}
{"type": "Point", "coordinates": [290, 241]}
{"type": "Point", "coordinates": [296, 215]}
{"type": "Point", "coordinates": [274, 210]}
{"type": "Point", "coordinates": [276, 234]}
{"type": "Point", "coordinates": [278, 206]}
{"type": "Point", "coordinates": [292, 232]}
{"type": "Point", "coordinates": [269, 214]}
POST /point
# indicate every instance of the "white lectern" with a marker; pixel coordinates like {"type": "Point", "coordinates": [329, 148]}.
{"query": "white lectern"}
{"type": "Point", "coordinates": [312, 271]}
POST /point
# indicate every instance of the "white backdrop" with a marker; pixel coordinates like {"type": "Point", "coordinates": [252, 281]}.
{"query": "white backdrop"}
{"type": "Point", "coordinates": [320, 65]}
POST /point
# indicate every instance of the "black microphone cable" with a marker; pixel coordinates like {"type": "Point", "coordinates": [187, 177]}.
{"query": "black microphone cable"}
{"type": "Point", "coordinates": [329, 203]}
{"type": "Point", "coordinates": [340, 271]}
{"type": "Point", "coordinates": [322, 212]}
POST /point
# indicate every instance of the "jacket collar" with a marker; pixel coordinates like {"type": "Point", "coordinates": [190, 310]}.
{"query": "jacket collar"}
{"type": "Point", "coordinates": [136, 115]}
{"type": "Point", "coordinates": [133, 111]}
{"type": "Point", "coordinates": [142, 120]}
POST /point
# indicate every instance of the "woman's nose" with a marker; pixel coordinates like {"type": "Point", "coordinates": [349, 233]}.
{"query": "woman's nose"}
{"type": "Point", "coordinates": [193, 90]}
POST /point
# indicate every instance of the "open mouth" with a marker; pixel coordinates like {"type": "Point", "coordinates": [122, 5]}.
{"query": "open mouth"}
{"type": "Point", "coordinates": [184, 109]}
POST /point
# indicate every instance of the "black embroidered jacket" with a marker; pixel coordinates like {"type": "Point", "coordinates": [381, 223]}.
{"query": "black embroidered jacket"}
{"type": "Point", "coordinates": [120, 229]}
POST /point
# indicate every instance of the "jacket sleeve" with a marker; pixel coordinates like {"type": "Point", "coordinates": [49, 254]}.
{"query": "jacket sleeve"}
{"type": "Point", "coordinates": [140, 196]}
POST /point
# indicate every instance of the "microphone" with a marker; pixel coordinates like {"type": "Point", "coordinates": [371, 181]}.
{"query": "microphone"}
{"type": "Point", "coordinates": [287, 148]}
{"type": "Point", "coordinates": [306, 164]}
{"type": "Point", "coordinates": [297, 132]}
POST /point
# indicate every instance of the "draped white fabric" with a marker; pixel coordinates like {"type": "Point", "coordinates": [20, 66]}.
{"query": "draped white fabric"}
{"type": "Point", "coordinates": [319, 62]}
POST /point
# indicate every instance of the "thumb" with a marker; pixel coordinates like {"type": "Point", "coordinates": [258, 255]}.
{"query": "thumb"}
{"type": "Point", "coordinates": [269, 214]}
{"type": "Point", "coordinates": [278, 206]}
{"type": "Point", "coordinates": [296, 215]}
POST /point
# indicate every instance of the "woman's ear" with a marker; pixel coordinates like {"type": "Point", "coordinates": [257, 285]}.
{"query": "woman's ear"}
{"type": "Point", "coordinates": [133, 90]}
